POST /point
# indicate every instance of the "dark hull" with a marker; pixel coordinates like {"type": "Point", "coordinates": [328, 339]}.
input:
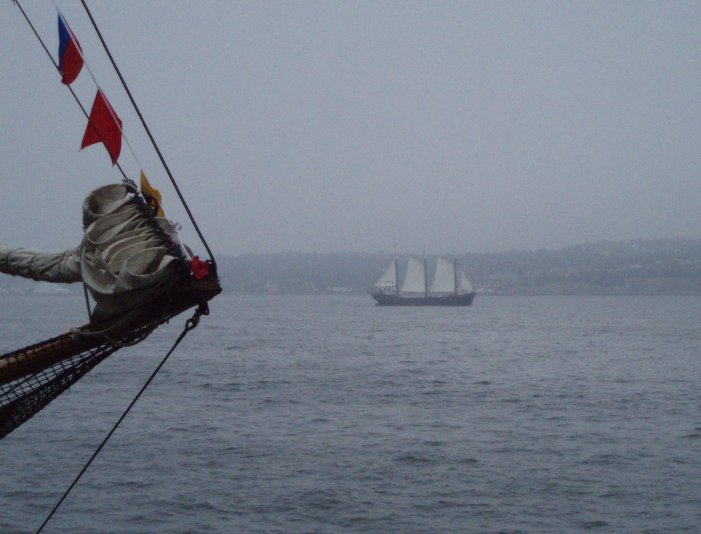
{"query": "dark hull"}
{"type": "Point", "coordinates": [385, 299]}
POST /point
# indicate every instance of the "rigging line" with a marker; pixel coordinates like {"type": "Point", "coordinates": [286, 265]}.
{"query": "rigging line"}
{"type": "Point", "coordinates": [87, 116]}
{"type": "Point", "coordinates": [148, 131]}
{"type": "Point", "coordinates": [87, 301]}
{"type": "Point", "coordinates": [190, 324]}
{"type": "Point", "coordinates": [94, 79]}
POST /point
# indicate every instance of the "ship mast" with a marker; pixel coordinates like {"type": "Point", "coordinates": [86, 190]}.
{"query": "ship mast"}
{"type": "Point", "coordinates": [455, 273]}
{"type": "Point", "coordinates": [396, 271]}
{"type": "Point", "coordinates": [425, 277]}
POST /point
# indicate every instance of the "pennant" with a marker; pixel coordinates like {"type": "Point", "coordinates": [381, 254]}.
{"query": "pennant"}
{"type": "Point", "coordinates": [70, 55]}
{"type": "Point", "coordinates": [104, 126]}
{"type": "Point", "coordinates": [152, 196]}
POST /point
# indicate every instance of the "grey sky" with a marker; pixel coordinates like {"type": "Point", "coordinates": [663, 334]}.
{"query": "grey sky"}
{"type": "Point", "coordinates": [331, 126]}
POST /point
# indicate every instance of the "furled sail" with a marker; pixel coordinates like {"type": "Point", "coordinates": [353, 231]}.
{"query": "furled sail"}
{"type": "Point", "coordinates": [139, 276]}
{"type": "Point", "coordinates": [415, 279]}
{"type": "Point", "coordinates": [387, 280]}
{"type": "Point", "coordinates": [444, 278]}
{"type": "Point", "coordinates": [59, 267]}
{"type": "Point", "coordinates": [123, 257]}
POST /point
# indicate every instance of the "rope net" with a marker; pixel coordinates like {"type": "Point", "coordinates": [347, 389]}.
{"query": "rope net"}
{"type": "Point", "coordinates": [38, 385]}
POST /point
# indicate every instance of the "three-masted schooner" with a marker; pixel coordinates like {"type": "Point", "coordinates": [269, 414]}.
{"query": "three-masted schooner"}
{"type": "Point", "coordinates": [450, 286]}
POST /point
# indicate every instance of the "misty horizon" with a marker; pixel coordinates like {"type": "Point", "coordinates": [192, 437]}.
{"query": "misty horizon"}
{"type": "Point", "coordinates": [459, 252]}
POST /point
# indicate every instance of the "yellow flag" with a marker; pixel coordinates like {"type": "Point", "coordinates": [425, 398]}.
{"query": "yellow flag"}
{"type": "Point", "coordinates": [152, 195]}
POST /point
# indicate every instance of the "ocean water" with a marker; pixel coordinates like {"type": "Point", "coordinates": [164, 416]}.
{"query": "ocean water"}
{"type": "Point", "coordinates": [327, 414]}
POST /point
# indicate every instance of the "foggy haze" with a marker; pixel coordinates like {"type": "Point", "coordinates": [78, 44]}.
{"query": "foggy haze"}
{"type": "Point", "coordinates": [343, 126]}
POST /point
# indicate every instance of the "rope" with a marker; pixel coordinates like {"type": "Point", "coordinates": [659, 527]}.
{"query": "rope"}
{"type": "Point", "coordinates": [189, 325]}
{"type": "Point", "coordinates": [87, 116]}
{"type": "Point", "coordinates": [87, 301]}
{"type": "Point", "coordinates": [148, 131]}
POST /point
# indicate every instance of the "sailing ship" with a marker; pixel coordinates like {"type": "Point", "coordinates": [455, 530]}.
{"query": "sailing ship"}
{"type": "Point", "coordinates": [450, 286]}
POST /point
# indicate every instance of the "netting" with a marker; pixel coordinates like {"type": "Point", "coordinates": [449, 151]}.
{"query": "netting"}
{"type": "Point", "coordinates": [43, 371]}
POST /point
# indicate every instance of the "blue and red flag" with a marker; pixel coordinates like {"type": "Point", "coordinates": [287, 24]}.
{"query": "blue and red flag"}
{"type": "Point", "coordinates": [104, 127]}
{"type": "Point", "coordinates": [70, 55]}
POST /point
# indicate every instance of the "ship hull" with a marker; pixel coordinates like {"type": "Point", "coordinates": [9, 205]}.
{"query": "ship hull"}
{"type": "Point", "coordinates": [385, 299]}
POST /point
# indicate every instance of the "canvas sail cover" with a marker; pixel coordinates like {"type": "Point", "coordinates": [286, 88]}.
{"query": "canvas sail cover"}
{"type": "Point", "coordinates": [415, 279]}
{"type": "Point", "coordinates": [387, 280]}
{"type": "Point", "coordinates": [123, 259]}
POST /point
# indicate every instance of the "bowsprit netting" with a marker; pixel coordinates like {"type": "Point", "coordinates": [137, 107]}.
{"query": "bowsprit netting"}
{"type": "Point", "coordinates": [39, 373]}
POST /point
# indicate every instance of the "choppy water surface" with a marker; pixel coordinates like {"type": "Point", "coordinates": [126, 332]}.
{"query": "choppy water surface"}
{"type": "Point", "coordinates": [329, 414]}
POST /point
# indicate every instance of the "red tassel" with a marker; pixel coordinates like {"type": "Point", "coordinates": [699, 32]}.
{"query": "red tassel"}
{"type": "Point", "coordinates": [200, 268]}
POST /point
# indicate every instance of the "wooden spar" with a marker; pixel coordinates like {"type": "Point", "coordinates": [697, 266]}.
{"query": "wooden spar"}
{"type": "Point", "coordinates": [396, 274]}
{"type": "Point", "coordinates": [157, 310]}
{"type": "Point", "coordinates": [39, 357]}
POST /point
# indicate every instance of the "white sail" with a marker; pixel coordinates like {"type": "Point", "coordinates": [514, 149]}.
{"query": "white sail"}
{"type": "Point", "coordinates": [415, 279]}
{"type": "Point", "coordinates": [464, 285]}
{"type": "Point", "coordinates": [444, 278]}
{"type": "Point", "coordinates": [387, 280]}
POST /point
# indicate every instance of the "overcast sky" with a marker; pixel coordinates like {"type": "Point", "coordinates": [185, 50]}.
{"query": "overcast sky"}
{"type": "Point", "coordinates": [354, 126]}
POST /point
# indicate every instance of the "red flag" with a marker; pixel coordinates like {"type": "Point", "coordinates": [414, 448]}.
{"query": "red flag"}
{"type": "Point", "coordinates": [104, 126]}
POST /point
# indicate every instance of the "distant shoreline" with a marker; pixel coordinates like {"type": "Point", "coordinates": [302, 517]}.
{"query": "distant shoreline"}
{"type": "Point", "coordinates": [631, 268]}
